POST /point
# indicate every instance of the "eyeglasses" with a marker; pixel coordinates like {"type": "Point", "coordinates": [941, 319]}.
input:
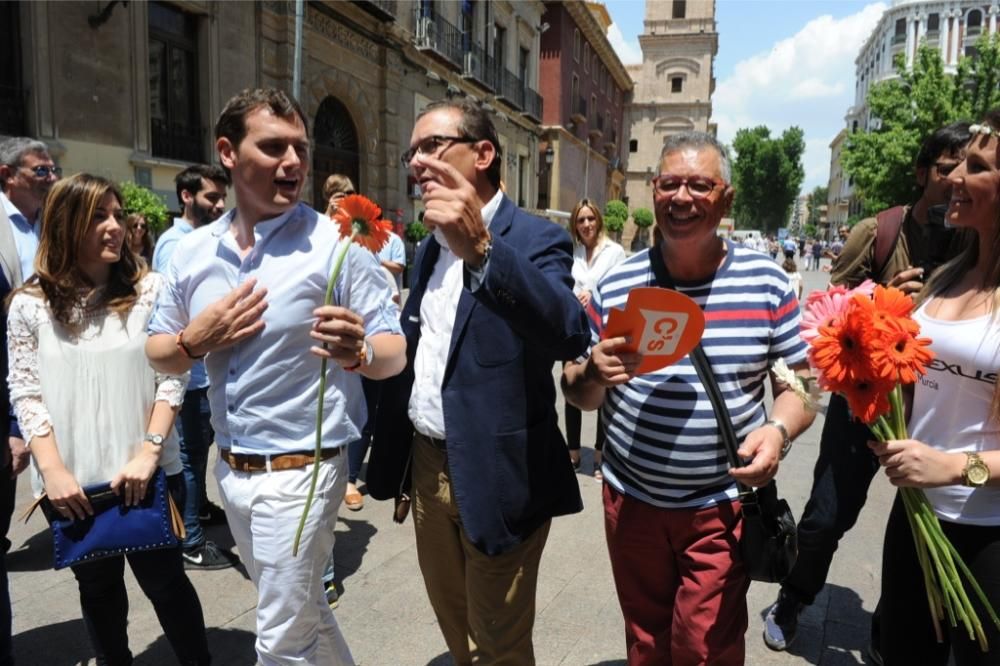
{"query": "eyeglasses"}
{"type": "Point", "coordinates": [431, 145]}
{"type": "Point", "coordinates": [945, 168]}
{"type": "Point", "coordinates": [45, 171]}
{"type": "Point", "coordinates": [698, 187]}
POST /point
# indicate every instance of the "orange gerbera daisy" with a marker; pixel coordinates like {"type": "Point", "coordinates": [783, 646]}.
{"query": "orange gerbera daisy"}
{"type": "Point", "coordinates": [898, 354]}
{"type": "Point", "coordinates": [840, 352]}
{"type": "Point", "coordinates": [358, 218]}
{"type": "Point", "coordinates": [887, 306]}
{"type": "Point", "coordinates": [868, 398]}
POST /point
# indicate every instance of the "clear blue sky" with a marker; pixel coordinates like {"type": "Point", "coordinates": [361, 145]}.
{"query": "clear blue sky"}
{"type": "Point", "coordinates": [780, 63]}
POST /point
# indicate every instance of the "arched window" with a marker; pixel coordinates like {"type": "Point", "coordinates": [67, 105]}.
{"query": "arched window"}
{"type": "Point", "coordinates": [336, 148]}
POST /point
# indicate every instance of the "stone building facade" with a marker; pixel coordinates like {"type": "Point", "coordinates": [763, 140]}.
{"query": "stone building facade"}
{"type": "Point", "coordinates": [132, 90]}
{"type": "Point", "coordinates": [673, 86]}
{"type": "Point", "coordinates": [950, 26]}
{"type": "Point", "coordinates": [585, 88]}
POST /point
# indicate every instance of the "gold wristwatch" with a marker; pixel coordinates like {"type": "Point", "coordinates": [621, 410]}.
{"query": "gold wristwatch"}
{"type": "Point", "coordinates": [976, 474]}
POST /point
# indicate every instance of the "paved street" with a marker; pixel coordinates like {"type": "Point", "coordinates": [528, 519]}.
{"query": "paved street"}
{"type": "Point", "coordinates": [388, 621]}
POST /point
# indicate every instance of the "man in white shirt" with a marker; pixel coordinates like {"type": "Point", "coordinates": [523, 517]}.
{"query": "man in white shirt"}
{"type": "Point", "coordinates": [248, 291]}
{"type": "Point", "coordinates": [201, 192]}
{"type": "Point", "coordinates": [490, 310]}
{"type": "Point", "coordinates": [393, 258]}
{"type": "Point", "coordinates": [26, 174]}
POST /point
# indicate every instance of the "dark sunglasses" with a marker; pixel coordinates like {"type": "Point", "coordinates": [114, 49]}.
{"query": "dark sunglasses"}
{"type": "Point", "coordinates": [45, 171]}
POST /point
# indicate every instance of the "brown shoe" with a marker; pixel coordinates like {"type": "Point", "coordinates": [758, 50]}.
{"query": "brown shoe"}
{"type": "Point", "coordinates": [354, 501]}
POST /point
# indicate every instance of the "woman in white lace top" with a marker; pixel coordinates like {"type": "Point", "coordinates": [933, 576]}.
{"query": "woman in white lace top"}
{"type": "Point", "coordinates": [92, 409]}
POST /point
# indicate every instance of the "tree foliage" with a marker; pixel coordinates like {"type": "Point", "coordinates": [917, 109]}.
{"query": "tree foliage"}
{"type": "Point", "coordinates": [817, 198]}
{"type": "Point", "coordinates": [616, 208]}
{"type": "Point", "coordinates": [767, 174]}
{"type": "Point", "coordinates": [144, 202]}
{"type": "Point", "coordinates": [909, 108]}
{"type": "Point", "coordinates": [643, 218]}
{"type": "Point", "coordinates": [615, 215]}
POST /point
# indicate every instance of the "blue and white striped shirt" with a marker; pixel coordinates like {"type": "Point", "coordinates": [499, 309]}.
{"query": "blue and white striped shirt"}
{"type": "Point", "coordinates": [663, 443]}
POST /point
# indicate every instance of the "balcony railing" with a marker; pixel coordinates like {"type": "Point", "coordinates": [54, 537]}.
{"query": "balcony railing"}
{"type": "Point", "coordinates": [12, 111]}
{"type": "Point", "coordinates": [533, 105]}
{"type": "Point", "coordinates": [899, 39]}
{"type": "Point", "coordinates": [177, 142]}
{"type": "Point", "coordinates": [438, 36]}
{"type": "Point", "coordinates": [511, 88]}
{"type": "Point", "coordinates": [479, 66]}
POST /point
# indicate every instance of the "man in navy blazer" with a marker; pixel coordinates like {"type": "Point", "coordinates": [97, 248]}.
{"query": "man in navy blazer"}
{"type": "Point", "coordinates": [472, 419]}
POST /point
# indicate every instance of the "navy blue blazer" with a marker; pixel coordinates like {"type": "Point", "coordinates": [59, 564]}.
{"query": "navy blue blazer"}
{"type": "Point", "coordinates": [507, 458]}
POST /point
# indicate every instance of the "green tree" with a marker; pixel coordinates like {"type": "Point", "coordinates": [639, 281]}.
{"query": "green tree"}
{"type": "Point", "coordinates": [643, 218]}
{"type": "Point", "coordinates": [910, 107]}
{"type": "Point", "coordinates": [615, 215]}
{"type": "Point", "coordinates": [616, 208]}
{"type": "Point", "coordinates": [809, 230]}
{"type": "Point", "coordinates": [817, 198]}
{"type": "Point", "coordinates": [144, 202]}
{"type": "Point", "coordinates": [767, 174]}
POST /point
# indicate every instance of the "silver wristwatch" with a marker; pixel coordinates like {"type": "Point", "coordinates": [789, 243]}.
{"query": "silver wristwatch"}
{"type": "Point", "coordinates": [155, 440]}
{"type": "Point", "coordinates": [786, 445]}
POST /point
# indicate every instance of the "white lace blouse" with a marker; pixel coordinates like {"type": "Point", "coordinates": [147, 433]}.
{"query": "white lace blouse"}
{"type": "Point", "coordinates": [94, 389]}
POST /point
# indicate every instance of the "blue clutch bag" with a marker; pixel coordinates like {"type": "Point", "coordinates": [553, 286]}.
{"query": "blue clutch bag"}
{"type": "Point", "coordinates": [115, 529]}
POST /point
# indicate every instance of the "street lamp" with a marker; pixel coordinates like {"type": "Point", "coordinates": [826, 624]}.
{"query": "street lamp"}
{"type": "Point", "coordinates": [549, 157]}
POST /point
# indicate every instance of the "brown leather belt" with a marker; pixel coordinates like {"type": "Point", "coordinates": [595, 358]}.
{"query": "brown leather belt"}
{"type": "Point", "coordinates": [255, 462]}
{"type": "Point", "coordinates": [436, 443]}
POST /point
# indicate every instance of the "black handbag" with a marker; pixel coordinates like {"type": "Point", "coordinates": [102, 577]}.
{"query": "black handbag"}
{"type": "Point", "coordinates": [114, 529]}
{"type": "Point", "coordinates": [769, 544]}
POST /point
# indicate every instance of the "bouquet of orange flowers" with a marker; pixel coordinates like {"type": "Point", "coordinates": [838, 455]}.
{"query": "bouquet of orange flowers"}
{"type": "Point", "coordinates": [864, 345]}
{"type": "Point", "coordinates": [358, 219]}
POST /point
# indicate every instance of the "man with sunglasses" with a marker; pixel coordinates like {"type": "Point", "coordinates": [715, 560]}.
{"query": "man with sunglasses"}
{"type": "Point", "coordinates": [472, 419]}
{"type": "Point", "coordinates": [26, 174]}
{"type": "Point", "coordinates": [899, 247]}
{"type": "Point", "coordinates": [671, 513]}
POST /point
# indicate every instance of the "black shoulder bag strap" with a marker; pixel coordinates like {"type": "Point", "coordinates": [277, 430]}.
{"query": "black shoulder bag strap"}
{"type": "Point", "coordinates": [707, 377]}
{"type": "Point", "coordinates": [769, 543]}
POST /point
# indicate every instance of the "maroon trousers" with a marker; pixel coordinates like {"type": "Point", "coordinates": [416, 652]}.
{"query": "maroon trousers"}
{"type": "Point", "coordinates": [680, 581]}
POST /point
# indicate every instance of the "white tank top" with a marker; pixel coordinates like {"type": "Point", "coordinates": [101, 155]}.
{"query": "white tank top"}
{"type": "Point", "coordinates": [951, 406]}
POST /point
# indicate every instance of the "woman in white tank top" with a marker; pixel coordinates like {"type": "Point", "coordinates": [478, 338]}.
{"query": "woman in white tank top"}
{"type": "Point", "coordinates": [954, 452]}
{"type": "Point", "coordinates": [91, 407]}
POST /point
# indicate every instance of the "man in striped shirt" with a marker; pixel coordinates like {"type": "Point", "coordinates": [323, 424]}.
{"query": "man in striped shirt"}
{"type": "Point", "coordinates": [671, 514]}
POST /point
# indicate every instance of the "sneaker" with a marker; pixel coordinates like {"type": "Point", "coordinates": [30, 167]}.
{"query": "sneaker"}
{"type": "Point", "coordinates": [212, 514]}
{"type": "Point", "coordinates": [332, 597]}
{"type": "Point", "coordinates": [781, 622]}
{"type": "Point", "coordinates": [207, 557]}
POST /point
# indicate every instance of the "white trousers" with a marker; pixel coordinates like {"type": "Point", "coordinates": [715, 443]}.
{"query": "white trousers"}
{"type": "Point", "coordinates": [295, 625]}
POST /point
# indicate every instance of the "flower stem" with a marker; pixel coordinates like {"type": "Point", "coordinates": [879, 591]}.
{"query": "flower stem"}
{"type": "Point", "coordinates": [327, 300]}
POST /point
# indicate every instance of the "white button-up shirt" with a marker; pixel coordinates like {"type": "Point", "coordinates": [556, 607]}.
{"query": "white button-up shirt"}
{"type": "Point", "coordinates": [437, 321]}
{"type": "Point", "coordinates": [263, 391]}
{"type": "Point", "coordinates": [607, 255]}
{"type": "Point", "coordinates": [26, 235]}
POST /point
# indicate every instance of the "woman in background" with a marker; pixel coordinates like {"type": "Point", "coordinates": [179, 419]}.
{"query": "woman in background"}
{"type": "Point", "coordinates": [140, 240]}
{"type": "Point", "coordinates": [593, 255]}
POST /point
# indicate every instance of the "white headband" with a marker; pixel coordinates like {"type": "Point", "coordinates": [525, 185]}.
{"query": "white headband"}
{"type": "Point", "coordinates": [985, 130]}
